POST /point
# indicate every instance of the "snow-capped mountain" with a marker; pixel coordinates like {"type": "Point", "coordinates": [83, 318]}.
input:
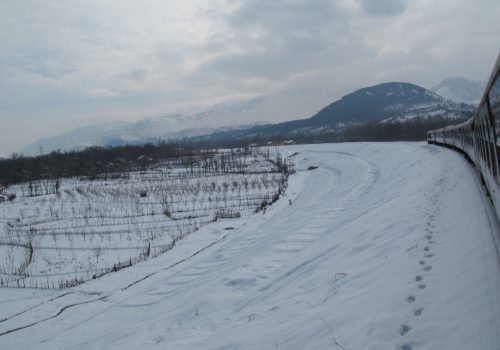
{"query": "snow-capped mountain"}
{"type": "Point", "coordinates": [459, 89]}
{"type": "Point", "coordinates": [118, 133]}
{"type": "Point", "coordinates": [276, 107]}
{"type": "Point", "coordinates": [386, 103]}
{"type": "Point", "coordinates": [78, 138]}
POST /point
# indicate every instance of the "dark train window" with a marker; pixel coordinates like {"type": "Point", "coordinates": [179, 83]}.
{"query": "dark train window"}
{"type": "Point", "coordinates": [479, 138]}
{"type": "Point", "coordinates": [490, 141]}
{"type": "Point", "coordinates": [494, 97]}
{"type": "Point", "coordinates": [487, 142]}
{"type": "Point", "coordinates": [484, 117]}
{"type": "Point", "coordinates": [483, 141]}
{"type": "Point", "coordinates": [483, 134]}
{"type": "Point", "coordinates": [494, 93]}
{"type": "Point", "coordinates": [493, 155]}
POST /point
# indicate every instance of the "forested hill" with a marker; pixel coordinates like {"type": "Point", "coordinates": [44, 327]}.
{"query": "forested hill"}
{"type": "Point", "coordinates": [388, 103]}
{"type": "Point", "coordinates": [380, 102]}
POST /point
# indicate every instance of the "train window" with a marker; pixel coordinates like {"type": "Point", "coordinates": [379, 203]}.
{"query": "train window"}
{"type": "Point", "coordinates": [479, 142]}
{"type": "Point", "coordinates": [493, 155]}
{"type": "Point", "coordinates": [490, 141]}
{"type": "Point", "coordinates": [483, 132]}
{"type": "Point", "coordinates": [487, 143]}
{"type": "Point", "coordinates": [483, 141]}
{"type": "Point", "coordinates": [482, 135]}
{"type": "Point", "coordinates": [494, 97]}
{"type": "Point", "coordinates": [487, 129]}
{"type": "Point", "coordinates": [494, 93]}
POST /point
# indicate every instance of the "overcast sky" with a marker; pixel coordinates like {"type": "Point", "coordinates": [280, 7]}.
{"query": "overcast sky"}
{"type": "Point", "coordinates": [65, 64]}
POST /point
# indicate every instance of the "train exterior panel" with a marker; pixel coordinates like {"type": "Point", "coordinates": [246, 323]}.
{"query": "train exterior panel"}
{"type": "Point", "coordinates": [479, 137]}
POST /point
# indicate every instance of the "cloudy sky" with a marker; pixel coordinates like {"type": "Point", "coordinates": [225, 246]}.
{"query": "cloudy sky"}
{"type": "Point", "coordinates": [65, 64]}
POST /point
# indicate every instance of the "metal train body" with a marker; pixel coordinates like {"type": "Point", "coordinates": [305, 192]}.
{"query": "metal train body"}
{"type": "Point", "coordinates": [479, 137]}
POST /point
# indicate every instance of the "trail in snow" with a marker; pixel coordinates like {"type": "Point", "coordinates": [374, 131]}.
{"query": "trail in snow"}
{"type": "Point", "coordinates": [385, 246]}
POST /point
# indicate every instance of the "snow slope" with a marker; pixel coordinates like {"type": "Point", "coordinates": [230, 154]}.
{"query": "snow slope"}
{"type": "Point", "coordinates": [385, 246]}
{"type": "Point", "coordinates": [459, 89]}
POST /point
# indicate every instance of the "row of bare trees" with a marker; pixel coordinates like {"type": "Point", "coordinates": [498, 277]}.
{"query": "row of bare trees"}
{"type": "Point", "coordinates": [90, 163]}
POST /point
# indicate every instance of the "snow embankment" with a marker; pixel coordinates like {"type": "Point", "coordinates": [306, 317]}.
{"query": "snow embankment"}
{"type": "Point", "coordinates": [382, 246]}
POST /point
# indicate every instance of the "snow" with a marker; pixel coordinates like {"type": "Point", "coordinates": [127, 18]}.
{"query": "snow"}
{"type": "Point", "coordinates": [384, 246]}
{"type": "Point", "coordinates": [448, 110]}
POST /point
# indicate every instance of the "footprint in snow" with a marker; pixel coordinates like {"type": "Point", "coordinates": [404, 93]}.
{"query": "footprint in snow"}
{"type": "Point", "coordinates": [251, 317]}
{"type": "Point", "coordinates": [404, 329]}
{"type": "Point", "coordinates": [427, 248]}
{"type": "Point", "coordinates": [422, 262]}
{"type": "Point", "coordinates": [418, 278]}
{"type": "Point", "coordinates": [429, 255]}
{"type": "Point", "coordinates": [421, 286]}
{"type": "Point", "coordinates": [405, 347]}
{"type": "Point", "coordinates": [427, 268]}
{"type": "Point", "coordinates": [418, 311]}
{"type": "Point", "coordinates": [410, 299]}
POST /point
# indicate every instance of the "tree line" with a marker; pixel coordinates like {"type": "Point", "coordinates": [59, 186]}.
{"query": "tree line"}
{"type": "Point", "coordinates": [410, 130]}
{"type": "Point", "coordinates": [91, 162]}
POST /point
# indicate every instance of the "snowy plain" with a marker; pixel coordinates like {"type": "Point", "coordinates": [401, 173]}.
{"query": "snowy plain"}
{"type": "Point", "coordinates": [384, 246]}
{"type": "Point", "coordinates": [60, 233]}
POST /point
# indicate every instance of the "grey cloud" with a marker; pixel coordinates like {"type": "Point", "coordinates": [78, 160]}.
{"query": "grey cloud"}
{"type": "Point", "coordinates": [265, 65]}
{"type": "Point", "coordinates": [283, 14]}
{"type": "Point", "coordinates": [274, 40]}
{"type": "Point", "coordinates": [277, 59]}
{"type": "Point", "coordinates": [383, 7]}
{"type": "Point", "coordinates": [282, 25]}
{"type": "Point", "coordinates": [135, 75]}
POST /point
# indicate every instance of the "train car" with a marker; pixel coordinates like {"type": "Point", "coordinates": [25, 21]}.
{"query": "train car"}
{"type": "Point", "coordinates": [479, 137]}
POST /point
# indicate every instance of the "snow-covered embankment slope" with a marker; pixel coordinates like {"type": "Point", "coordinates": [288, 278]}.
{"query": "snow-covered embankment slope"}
{"type": "Point", "coordinates": [385, 246]}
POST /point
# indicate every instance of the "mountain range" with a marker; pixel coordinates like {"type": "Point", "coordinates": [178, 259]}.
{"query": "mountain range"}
{"type": "Point", "coordinates": [267, 114]}
{"type": "Point", "coordinates": [282, 105]}
{"type": "Point", "coordinates": [459, 89]}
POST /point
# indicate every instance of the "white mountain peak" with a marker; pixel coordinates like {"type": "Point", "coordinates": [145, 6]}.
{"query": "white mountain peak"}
{"type": "Point", "coordinates": [459, 89]}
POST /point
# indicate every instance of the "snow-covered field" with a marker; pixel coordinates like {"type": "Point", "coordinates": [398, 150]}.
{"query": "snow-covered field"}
{"type": "Point", "coordinates": [384, 246]}
{"type": "Point", "coordinates": [60, 234]}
